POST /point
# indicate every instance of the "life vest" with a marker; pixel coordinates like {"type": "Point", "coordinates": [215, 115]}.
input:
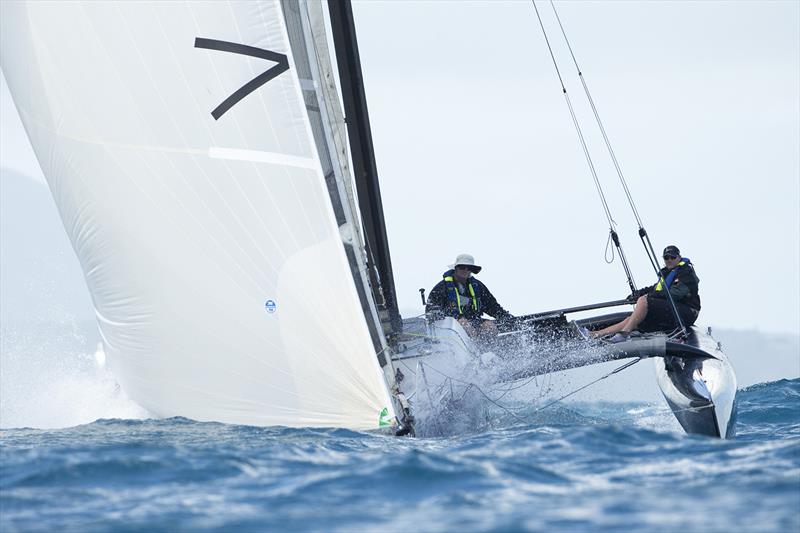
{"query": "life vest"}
{"type": "Point", "coordinates": [454, 297]}
{"type": "Point", "coordinates": [662, 283]}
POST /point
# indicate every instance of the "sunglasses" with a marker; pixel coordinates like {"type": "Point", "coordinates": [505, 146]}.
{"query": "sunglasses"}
{"type": "Point", "coordinates": [669, 257]}
{"type": "Point", "coordinates": [462, 267]}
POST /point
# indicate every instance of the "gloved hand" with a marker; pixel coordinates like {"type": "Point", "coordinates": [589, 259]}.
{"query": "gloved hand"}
{"type": "Point", "coordinates": [632, 297]}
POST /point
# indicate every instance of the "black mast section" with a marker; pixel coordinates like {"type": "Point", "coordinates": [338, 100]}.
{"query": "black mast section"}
{"type": "Point", "coordinates": [365, 169]}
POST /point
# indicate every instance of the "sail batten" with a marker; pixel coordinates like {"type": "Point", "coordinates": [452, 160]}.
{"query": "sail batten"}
{"type": "Point", "coordinates": [210, 246]}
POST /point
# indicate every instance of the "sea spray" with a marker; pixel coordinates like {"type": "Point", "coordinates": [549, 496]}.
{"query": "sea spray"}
{"type": "Point", "coordinates": [50, 378]}
{"type": "Point", "coordinates": [511, 381]}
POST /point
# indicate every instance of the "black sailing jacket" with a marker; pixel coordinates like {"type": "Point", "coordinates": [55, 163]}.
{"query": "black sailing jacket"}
{"type": "Point", "coordinates": [683, 287]}
{"type": "Point", "coordinates": [486, 302]}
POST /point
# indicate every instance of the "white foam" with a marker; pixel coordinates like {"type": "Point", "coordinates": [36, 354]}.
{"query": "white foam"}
{"type": "Point", "coordinates": [49, 379]}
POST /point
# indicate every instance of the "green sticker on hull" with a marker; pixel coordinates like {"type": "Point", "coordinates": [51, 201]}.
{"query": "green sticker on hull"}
{"type": "Point", "coordinates": [383, 419]}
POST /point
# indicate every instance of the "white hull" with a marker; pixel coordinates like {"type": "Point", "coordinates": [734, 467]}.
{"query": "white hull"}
{"type": "Point", "coordinates": [443, 364]}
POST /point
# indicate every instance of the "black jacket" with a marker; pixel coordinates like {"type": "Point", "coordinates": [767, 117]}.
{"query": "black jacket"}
{"type": "Point", "coordinates": [683, 289]}
{"type": "Point", "coordinates": [438, 299]}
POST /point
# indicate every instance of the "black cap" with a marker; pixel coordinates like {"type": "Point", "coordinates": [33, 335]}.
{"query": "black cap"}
{"type": "Point", "coordinates": [672, 250]}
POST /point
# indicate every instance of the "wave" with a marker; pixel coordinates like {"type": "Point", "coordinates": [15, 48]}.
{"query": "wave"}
{"type": "Point", "coordinates": [556, 474]}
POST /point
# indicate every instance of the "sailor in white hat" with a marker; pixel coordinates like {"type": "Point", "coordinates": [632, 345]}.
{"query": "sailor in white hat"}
{"type": "Point", "coordinates": [461, 296]}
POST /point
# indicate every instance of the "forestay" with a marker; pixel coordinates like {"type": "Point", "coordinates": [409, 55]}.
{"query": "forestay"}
{"type": "Point", "coordinates": [210, 246]}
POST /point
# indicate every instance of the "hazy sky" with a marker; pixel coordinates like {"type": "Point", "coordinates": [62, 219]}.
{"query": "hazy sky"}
{"type": "Point", "coordinates": [477, 152]}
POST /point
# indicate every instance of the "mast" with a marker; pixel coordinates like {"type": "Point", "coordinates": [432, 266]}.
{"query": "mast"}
{"type": "Point", "coordinates": [365, 170]}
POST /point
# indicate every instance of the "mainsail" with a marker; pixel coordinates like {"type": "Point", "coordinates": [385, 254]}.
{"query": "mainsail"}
{"type": "Point", "coordinates": [222, 252]}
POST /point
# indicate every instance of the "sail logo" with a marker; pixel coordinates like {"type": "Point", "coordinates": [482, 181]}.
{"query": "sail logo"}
{"type": "Point", "coordinates": [281, 66]}
{"type": "Point", "coordinates": [271, 306]}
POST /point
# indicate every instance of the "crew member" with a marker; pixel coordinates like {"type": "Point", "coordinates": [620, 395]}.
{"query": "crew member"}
{"type": "Point", "coordinates": [461, 296]}
{"type": "Point", "coordinates": [653, 310]}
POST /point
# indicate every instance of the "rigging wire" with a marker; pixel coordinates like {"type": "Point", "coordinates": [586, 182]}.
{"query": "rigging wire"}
{"type": "Point", "coordinates": [611, 223]}
{"type": "Point", "coordinates": [479, 389]}
{"type": "Point", "coordinates": [648, 246]}
{"type": "Point", "coordinates": [495, 401]}
{"type": "Point", "coordinates": [526, 418]}
{"type": "Point", "coordinates": [604, 376]}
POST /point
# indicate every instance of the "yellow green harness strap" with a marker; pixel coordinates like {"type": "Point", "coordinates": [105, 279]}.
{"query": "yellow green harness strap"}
{"type": "Point", "coordinates": [670, 277]}
{"type": "Point", "coordinates": [449, 279]}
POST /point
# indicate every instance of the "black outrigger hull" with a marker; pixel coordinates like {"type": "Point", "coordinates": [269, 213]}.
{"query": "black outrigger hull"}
{"type": "Point", "coordinates": [701, 391]}
{"type": "Point", "coordinates": [694, 374]}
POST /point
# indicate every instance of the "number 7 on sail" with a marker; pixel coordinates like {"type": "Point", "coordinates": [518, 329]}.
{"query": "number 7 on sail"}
{"type": "Point", "coordinates": [282, 65]}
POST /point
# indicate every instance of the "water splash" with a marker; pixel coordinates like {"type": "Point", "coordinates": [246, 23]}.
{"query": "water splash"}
{"type": "Point", "coordinates": [51, 378]}
{"type": "Point", "coordinates": [509, 385]}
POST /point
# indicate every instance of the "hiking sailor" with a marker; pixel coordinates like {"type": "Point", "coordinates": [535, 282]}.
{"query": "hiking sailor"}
{"type": "Point", "coordinates": [653, 311]}
{"type": "Point", "coordinates": [461, 296]}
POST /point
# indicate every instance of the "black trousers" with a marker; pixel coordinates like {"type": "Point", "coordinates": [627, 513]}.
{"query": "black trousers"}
{"type": "Point", "coordinates": [660, 316]}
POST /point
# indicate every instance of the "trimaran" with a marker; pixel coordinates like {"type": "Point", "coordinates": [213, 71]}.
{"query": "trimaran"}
{"type": "Point", "coordinates": [203, 169]}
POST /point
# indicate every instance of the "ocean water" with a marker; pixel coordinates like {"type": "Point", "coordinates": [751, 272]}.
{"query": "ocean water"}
{"type": "Point", "coordinates": [595, 466]}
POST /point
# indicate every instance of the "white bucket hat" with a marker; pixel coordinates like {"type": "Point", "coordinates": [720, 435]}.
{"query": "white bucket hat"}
{"type": "Point", "coordinates": [466, 260]}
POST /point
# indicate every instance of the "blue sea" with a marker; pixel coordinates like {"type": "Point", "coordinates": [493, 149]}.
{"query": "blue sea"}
{"type": "Point", "coordinates": [580, 467]}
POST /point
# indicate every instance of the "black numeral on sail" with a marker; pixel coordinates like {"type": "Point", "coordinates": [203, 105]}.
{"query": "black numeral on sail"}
{"type": "Point", "coordinates": [282, 65]}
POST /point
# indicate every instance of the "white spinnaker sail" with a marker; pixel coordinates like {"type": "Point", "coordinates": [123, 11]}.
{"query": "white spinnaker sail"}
{"type": "Point", "coordinates": [210, 247]}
